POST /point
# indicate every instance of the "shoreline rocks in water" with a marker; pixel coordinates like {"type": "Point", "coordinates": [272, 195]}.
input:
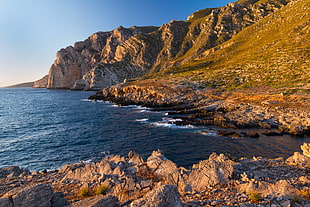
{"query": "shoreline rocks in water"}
{"type": "Point", "coordinates": [157, 181]}
{"type": "Point", "coordinates": [213, 108]}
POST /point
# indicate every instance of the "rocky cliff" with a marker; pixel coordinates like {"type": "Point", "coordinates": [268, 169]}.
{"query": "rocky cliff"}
{"type": "Point", "coordinates": [108, 58]}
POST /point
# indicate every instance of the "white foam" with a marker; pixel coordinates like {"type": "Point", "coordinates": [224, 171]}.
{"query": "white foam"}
{"type": "Point", "coordinates": [142, 120]}
{"type": "Point", "coordinates": [87, 100]}
{"type": "Point", "coordinates": [211, 134]}
{"type": "Point", "coordinates": [172, 125]}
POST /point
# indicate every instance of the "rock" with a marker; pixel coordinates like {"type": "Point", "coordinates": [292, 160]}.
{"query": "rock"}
{"type": "Point", "coordinates": [217, 169]}
{"type": "Point", "coordinates": [12, 172]}
{"type": "Point", "coordinates": [229, 134]}
{"type": "Point", "coordinates": [166, 170]}
{"type": "Point", "coordinates": [306, 149]}
{"type": "Point", "coordinates": [252, 134]}
{"type": "Point", "coordinates": [272, 133]}
{"type": "Point", "coordinates": [280, 189]}
{"type": "Point", "coordinates": [5, 202]}
{"type": "Point", "coordinates": [162, 196]}
{"type": "Point", "coordinates": [42, 83]}
{"type": "Point", "coordinates": [98, 201]}
{"type": "Point", "coordinates": [58, 200]}
{"type": "Point", "coordinates": [286, 203]}
{"type": "Point", "coordinates": [134, 158]}
{"type": "Point", "coordinates": [298, 159]}
{"type": "Point", "coordinates": [39, 195]}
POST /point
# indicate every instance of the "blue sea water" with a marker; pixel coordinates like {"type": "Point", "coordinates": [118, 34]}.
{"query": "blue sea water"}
{"type": "Point", "coordinates": [45, 129]}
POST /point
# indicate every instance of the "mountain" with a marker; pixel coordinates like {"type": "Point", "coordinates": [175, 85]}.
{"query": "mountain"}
{"type": "Point", "coordinates": [108, 58]}
{"type": "Point", "coordinates": [274, 52]}
{"type": "Point", "coordinates": [258, 79]}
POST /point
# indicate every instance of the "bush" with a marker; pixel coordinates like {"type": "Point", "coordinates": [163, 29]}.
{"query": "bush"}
{"type": "Point", "coordinates": [101, 189]}
{"type": "Point", "coordinates": [255, 197]}
{"type": "Point", "coordinates": [305, 193]}
{"type": "Point", "coordinates": [84, 192]}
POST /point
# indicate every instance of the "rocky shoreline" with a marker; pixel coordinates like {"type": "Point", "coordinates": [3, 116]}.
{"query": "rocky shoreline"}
{"type": "Point", "coordinates": [273, 114]}
{"type": "Point", "coordinates": [131, 181]}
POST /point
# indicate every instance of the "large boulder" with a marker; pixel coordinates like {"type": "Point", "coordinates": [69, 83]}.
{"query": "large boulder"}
{"type": "Point", "coordinates": [12, 172]}
{"type": "Point", "coordinates": [99, 201]}
{"type": "Point", "coordinates": [167, 170]}
{"type": "Point", "coordinates": [306, 149]}
{"type": "Point", "coordinates": [217, 169]}
{"type": "Point", "coordinates": [162, 196]}
{"type": "Point", "coordinates": [39, 195]}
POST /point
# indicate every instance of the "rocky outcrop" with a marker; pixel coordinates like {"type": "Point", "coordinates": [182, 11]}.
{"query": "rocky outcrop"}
{"type": "Point", "coordinates": [215, 170]}
{"type": "Point", "coordinates": [218, 109]}
{"type": "Point", "coordinates": [42, 83]}
{"type": "Point", "coordinates": [108, 58]}
{"type": "Point", "coordinates": [72, 63]}
{"type": "Point", "coordinates": [40, 195]}
{"type": "Point", "coordinates": [162, 196]}
{"type": "Point", "coordinates": [129, 181]}
{"type": "Point", "coordinates": [12, 172]}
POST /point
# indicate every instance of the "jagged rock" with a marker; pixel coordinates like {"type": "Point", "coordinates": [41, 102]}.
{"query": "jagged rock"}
{"type": "Point", "coordinates": [39, 195]}
{"type": "Point", "coordinates": [306, 149]}
{"type": "Point", "coordinates": [217, 169]}
{"type": "Point", "coordinates": [299, 159]}
{"type": "Point", "coordinates": [98, 201]}
{"type": "Point", "coordinates": [167, 170]}
{"type": "Point", "coordinates": [134, 158]}
{"type": "Point", "coordinates": [280, 189]}
{"type": "Point", "coordinates": [12, 172]}
{"type": "Point", "coordinates": [162, 196]}
{"type": "Point", "coordinates": [42, 83]}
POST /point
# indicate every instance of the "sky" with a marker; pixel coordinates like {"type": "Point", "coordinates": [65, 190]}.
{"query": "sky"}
{"type": "Point", "coordinates": [32, 31]}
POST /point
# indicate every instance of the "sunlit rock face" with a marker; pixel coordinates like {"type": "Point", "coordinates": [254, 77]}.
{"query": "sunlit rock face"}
{"type": "Point", "coordinates": [108, 58]}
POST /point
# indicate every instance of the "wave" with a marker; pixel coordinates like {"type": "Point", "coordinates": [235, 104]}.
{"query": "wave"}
{"type": "Point", "coordinates": [171, 125]}
{"type": "Point", "coordinates": [142, 120]}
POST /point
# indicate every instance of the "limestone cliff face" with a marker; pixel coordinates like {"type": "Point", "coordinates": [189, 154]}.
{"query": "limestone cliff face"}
{"type": "Point", "coordinates": [107, 58]}
{"type": "Point", "coordinates": [42, 83]}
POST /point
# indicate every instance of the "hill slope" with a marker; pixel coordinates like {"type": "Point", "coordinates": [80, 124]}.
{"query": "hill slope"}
{"type": "Point", "coordinates": [274, 52]}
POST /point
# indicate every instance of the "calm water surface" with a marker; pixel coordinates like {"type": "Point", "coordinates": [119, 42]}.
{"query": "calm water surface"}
{"type": "Point", "coordinates": [45, 129]}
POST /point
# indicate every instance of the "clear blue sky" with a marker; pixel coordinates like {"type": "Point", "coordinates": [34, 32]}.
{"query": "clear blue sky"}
{"type": "Point", "coordinates": [32, 31]}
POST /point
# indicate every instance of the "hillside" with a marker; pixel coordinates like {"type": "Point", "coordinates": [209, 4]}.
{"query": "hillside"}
{"type": "Point", "coordinates": [274, 52]}
{"type": "Point", "coordinates": [108, 58]}
{"type": "Point", "coordinates": [20, 85]}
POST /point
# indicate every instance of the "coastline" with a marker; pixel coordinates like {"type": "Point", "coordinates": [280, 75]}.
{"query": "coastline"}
{"type": "Point", "coordinates": [272, 112]}
{"type": "Point", "coordinates": [157, 181]}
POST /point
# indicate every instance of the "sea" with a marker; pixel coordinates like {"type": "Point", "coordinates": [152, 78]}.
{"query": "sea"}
{"type": "Point", "coordinates": [46, 129]}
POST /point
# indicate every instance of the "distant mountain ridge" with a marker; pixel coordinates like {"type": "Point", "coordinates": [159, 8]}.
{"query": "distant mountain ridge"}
{"type": "Point", "coordinates": [21, 85]}
{"type": "Point", "coordinates": [108, 58]}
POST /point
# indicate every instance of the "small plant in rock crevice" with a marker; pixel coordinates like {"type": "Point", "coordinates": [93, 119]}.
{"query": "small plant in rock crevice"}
{"type": "Point", "coordinates": [255, 196]}
{"type": "Point", "coordinates": [101, 190]}
{"type": "Point", "coordinates": [84, 192]}
{"type": "Point", "coordinates": [305, 193]}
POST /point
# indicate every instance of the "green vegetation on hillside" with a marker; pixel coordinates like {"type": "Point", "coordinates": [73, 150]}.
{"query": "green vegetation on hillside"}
{"type": "Point", "coordinates": [273, 52]}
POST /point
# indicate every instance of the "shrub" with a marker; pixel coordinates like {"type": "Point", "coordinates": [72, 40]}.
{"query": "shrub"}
{"type": "Point", "coordinates": [84, 192]}
{"type": "Point", "coordinates": [305, 193]}
{"type": "Point", "coordinates": [255, 196]}
{"type": "Point", "coordinates": [101, 189]}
